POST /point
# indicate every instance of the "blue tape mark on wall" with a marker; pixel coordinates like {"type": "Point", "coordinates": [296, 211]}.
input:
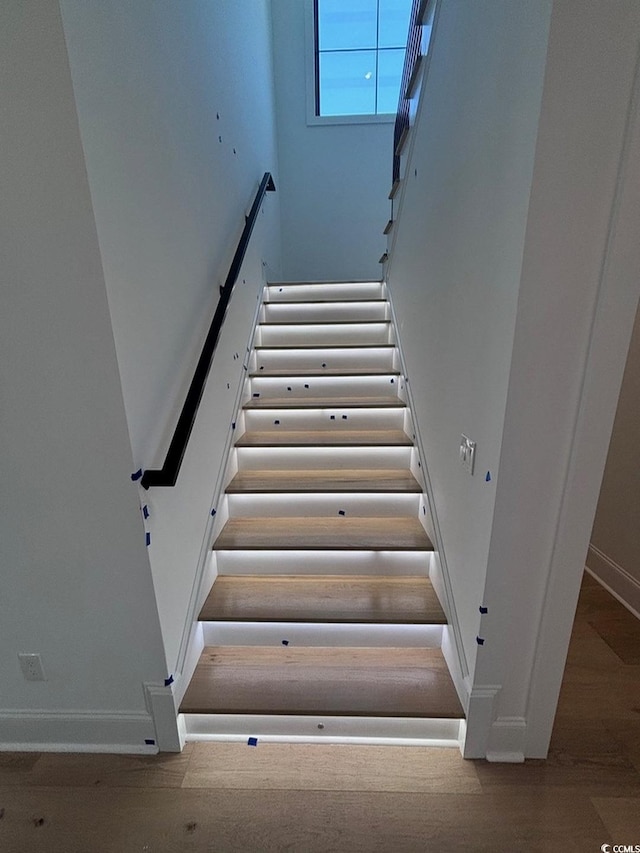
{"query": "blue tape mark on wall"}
{"type": "Point", "coordinates": [147, 538]}
{"type": "Point", "coordinates": [344, 417]}
{"type": "Point", "coordinates": [480, 641]}
{"type": "Point", "coordinates": [488, 477]}
{"type": "Point", "coordinates": [137, 475]}
{"type": "Point", "coordinates": [213, 512]}
{"type": "Point", "coordinates": [285, 642]}
{"type": "Point", "coordinates": [145, 511]}
{"type": "Point", "coordinates": [168, 681]}
{"type": "Point", "coordinates": [149, 741]}
{"type": "Point", "coordinates": [483, 610]}
{"type": "Point", "coordinates": [276, 422]}
{"type": "Point", "coordinates": [341, 512]}
{"type": "Point", "coordinates": [253, 741]}
{"type": "Point", "coordinates": [333, 417]}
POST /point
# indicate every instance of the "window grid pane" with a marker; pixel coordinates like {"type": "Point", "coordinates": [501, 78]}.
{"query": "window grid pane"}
{"type": "Point", "coordinates": [351, 79]}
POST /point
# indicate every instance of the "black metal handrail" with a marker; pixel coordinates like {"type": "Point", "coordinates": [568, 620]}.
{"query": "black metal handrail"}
{"type": "Point", "coordinates": [168, 474]}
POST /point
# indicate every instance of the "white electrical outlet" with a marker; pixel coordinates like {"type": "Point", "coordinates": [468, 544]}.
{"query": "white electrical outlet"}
{"type": "Point", "coordinates": [467, 453]}
{"type": "Point", "coordinates": [31, 666]}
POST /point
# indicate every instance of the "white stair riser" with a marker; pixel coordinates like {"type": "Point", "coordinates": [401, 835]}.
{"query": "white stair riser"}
{"type": "Point", "coordinates": [324, 313]}
{"type": "Point", "coordinates": [321, 458]}
{"type": "Point", "coordinates": [325, 386]}
{"type": "Point", "coordinates": [324, 334]}
{"type": "Point", "coordinates": [321, 419]}
{"type": "Point", "coordinates": [315, 729]}
{"type": "Point", "coordinates": [374, 563]}
{"type": "Point", "coordinates": [325, 359]}
{"type": "Point", "coordinates": [314, 292]}
{"type": "Point", "coordinates": [323, 506]}
{"type": "Point", "coordinates": [318, 635]}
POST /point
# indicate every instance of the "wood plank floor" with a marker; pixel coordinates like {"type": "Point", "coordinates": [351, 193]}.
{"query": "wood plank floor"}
{"type": "Point", "coordinates": [364, 480]}
{"type": "Point", "coordinates": [332, 682]}
{"type": "Point", "coordinates": [351, 599]}
{"type": "Point", "coordinates": [295, 402]}
{"type": "Point", "coordinates": [327, 534]}
{"type": "Point", "coordinates": [315, 798]}
{"type": "Point", "coordinates": [325, 438]}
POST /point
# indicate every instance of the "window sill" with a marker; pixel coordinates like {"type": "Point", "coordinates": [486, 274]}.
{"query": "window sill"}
{"type": "Point", "coordinates": [386, 118]}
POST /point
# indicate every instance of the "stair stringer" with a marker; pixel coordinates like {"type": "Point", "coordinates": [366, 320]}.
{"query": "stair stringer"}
{"type": "Point", "coordinates": [452, 646]}
{"type": "Point", "coordinates": [192, 643]}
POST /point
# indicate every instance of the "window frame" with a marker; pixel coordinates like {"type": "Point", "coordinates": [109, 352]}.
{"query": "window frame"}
{"type": "Point", "coordinates": [312, 72]}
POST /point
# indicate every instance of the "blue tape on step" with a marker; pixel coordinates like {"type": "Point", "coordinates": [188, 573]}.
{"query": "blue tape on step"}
{"type": "Point", "coordinates": [256, 394]}
{"type": "Point", "coordinates": [288, 387]}
{"type": "Point", "coordinates": [285, 642]}
{"type": "Point", "coordinates": [341, 512]}
{"type": "Point", "coordinates": [483, 610]}
{"type": "Point", "coordinates": [149, 741]}
{"type": "Point", "coordinates": [137, 475]}
{"type": "Point", "coordinates": [480, 641]}
{"type": "Point", "coordinates": [168, 681]}
{"type": "Point", "coordinates": [332, 417]}
{"type": "Point", "coordinates": [145, 511]}
{"type": "Point", "coordinates": [253, 741]}
{"type": "Point", "coordinates": [324, 363]}
{"type": "Point", "coordinates": [276, 422]}
{"type": "Point", "coordinates": [147, 537]}
{"type": "Point", "coordinates": [306, 386]}
{"type": "Point", "coordinates": [262, 367]}
{"type": "Point", "coordinates": [488, 477]}
{"type": "Point", "coordinates": [344, 417]}
{"type": "Point", "coordinates": [393, 381]}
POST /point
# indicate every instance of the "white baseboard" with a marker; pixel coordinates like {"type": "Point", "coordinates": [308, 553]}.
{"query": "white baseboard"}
{"type": "Point", "coordinates": [507, 740]}
{"type": "Point", "coordinates": [77, 731]}
{"type": "Point", "coordinates": [615, 578]}
{"type": "Point", "coordinates": [480, 718]}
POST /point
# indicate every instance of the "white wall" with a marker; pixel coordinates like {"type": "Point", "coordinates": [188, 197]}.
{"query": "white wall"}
{"type": "Point", "coordinates": [158, 84]}
{"type": "Point", "coordinates": [615, 542]}
{"type": "Point", "coordinates": [334, 179]}
{"type": "Point", "coordinates": [509, 227]}
{"type": "Point", "coordinates": [76, 581]}
{"type": "Point", "coordinates": [456, 260]}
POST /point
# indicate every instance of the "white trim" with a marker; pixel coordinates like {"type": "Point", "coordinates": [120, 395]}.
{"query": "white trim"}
{"type": "Point", "coordinates": [507, 740]}
{"type": "Point", "coordinates": [77, 731]}
{"type": "Point", "coordinates": [611, 329]}
{"type": "Point", "coordinates": [615, 579]}
{"type": "Point", "coordinates": [160, 701]}
{"type": "Point", "coordinates": [480, 718]}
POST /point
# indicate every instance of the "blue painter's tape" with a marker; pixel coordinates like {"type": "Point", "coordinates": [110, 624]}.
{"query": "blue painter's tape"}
{"type": "Point", "coordinates": [213, 512]}
{"type": "Point", "coordinates": [168, 681]}
{"type": "Point", "coordinates": [137, 475]}
{"type": "Point", "coordinates": [324, 363]}
{"type": "Point", "coordinates": [233, 424]}
{"type": "Point", "coordinates": [424, 510]}
{"type": "Point", "coordinates": [253, 741]}
{"type": "Point", "coordinates": [488, 477]}
{"type": "Point", "coordinates": [285, 642]}
{"type": "Point", "coordinates": [483, 610]}
{"type": "Point", "coordinates": [332, 417]}
{"type": "Point", "coordinates": [393, 381]}
{"type": "Point", "coordinates": [306, 386]}
{"type": "Point", "coordinates": [147, 537]}
{"type": "Point", "coordinates": [262, 367]}
{"type": "Point", "coordinates": [149, 741]}
{"type": "Point", "coordinates": [480, 641]}
{"type": "Point", "coordinates": [344, 417]}
{"type": "Point", "coordinates": [288, 387]}
{"type": "Point", "coordinates": [341, 512]}
{"type": "Point", "coordinates": [276, 422]}
{"type": "Point", "coordinates": [145, 511]}
{"type": "Point", "coordinates": [256, 394]}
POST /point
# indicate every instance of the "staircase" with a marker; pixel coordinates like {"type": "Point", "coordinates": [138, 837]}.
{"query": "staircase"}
{"type": "Point", "coordinates": [322, 622]}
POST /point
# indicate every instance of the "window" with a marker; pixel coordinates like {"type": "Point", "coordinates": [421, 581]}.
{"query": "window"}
{"type": "Point", "coordinates": [359, 48]}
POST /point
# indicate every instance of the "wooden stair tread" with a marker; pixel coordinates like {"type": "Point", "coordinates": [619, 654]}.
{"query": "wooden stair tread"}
{"type": "Point", "coordinates": [325, 437]}
{"type": "Point", "coordinates": [295, 402]}
{"type": "Point", "coordinates": [327, 300]}
{"type": "Point", "coordinates": [324, 480]}
{"type": "Point", "coordinates": [298, 322]}
{"type": "Point", "coordinates": [353, 682]}
{"type": "Point", "coordinates": [325, 371]}
{"type": "Point", "coordinates": [318, 346]}
{"type": "Point", "coordinates": [325, 534]}
{"type": "Point", "coordinates": [354, 599]}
